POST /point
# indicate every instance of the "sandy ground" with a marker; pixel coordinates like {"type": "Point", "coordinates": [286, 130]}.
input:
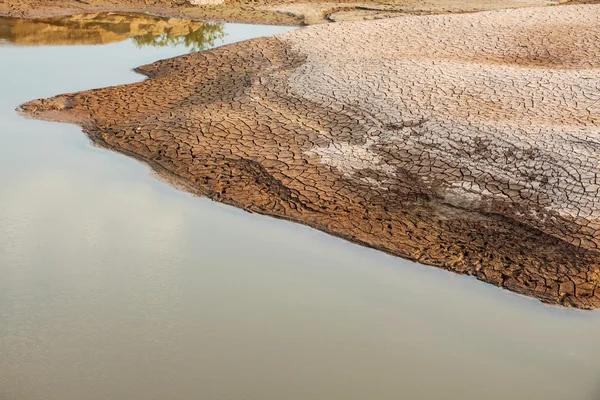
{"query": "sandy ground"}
{"type": "Point", "coordinates": [468, 142]}
{"type": "Point", "coordinates": [323, 12]}
{"type": "Point", "coordinates": [279, 12]}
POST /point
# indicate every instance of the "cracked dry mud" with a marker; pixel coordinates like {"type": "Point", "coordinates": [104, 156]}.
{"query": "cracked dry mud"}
{"type": "Point", "coordinates": [468, 142]}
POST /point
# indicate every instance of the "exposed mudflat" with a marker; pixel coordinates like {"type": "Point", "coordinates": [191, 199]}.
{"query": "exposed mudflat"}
{"type": "Point", "coordinates": [468, 142]}
{"type": "Point", "coordinates": [232, 12]}
{"type": "Point", "coordinates": [277, 12]}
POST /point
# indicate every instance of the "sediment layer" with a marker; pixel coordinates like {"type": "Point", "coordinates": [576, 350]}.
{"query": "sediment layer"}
{"type": "Point", "coordinates": [467, 142]}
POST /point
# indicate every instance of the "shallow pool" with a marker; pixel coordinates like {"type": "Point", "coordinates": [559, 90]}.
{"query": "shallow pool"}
{"type": "Point", "coordinates": [114, 285]}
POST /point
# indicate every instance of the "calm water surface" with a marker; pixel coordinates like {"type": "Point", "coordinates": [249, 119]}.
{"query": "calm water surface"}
{"type": "Point", "coordinates": [113, 285]}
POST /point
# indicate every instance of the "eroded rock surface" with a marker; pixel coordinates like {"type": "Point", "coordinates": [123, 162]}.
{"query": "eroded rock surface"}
{"type": "Point", "coordinates": [468, 142]}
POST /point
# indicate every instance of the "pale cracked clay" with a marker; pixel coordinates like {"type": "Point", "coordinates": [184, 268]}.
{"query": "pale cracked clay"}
{"type": "Point", "coordinates": [467, 142]}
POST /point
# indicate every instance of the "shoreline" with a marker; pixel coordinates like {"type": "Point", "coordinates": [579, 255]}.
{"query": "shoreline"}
{"type": "Point", "coordinates": [234, 13]}
{"type": "Point", "coordinates": [257, 130]}
{"type": "Point", "coordinates": [182, 184]}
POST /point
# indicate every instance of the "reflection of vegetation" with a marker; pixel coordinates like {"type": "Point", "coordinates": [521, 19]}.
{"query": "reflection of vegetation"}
{"type": "Point", "coordinates": [198, 40]}
{"type": "Point", "coordinates": [104, 28]}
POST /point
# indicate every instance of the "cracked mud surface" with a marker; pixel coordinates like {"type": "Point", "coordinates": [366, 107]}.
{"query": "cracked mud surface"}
{"type": "Point", "coordinates": [276, 12]}
{"type": "Point", "coordinates": [468, 142]}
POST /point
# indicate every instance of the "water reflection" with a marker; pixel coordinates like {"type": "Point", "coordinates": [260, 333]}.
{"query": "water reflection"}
{"type": "Point", "coordinates": [200, 39]}
{"type": "Point", "coordinates": [104, 28]}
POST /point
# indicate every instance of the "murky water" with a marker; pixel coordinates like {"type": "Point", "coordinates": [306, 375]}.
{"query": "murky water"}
{"type": "Point", "coordinates": [114, 285]}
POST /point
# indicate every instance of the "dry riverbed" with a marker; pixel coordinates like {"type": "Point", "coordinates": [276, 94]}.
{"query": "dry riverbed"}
{"type": "Point", "coordinates": [468, 142]}
{"type": "Point", "coordinates": [276, 12]}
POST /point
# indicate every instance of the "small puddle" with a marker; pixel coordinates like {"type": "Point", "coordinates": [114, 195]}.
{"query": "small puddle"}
{"type": "Point", "coordinates": [117, 286]}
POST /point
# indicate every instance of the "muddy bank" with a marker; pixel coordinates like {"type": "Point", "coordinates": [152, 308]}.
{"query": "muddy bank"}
{"type": "Point", "coordinates": [473, 148]}
{"type": "Point", "coordinates": [182, 9]}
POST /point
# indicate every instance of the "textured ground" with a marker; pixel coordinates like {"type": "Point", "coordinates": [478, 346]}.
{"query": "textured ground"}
{"type": "Point", "coordinates": [318, 11]}
{"type": "Point", "coordinates": [469, 142]}
{"type": "Point", "coordinates": [233, 12]}
{"type": "Point", "coordinates": [281, 12]}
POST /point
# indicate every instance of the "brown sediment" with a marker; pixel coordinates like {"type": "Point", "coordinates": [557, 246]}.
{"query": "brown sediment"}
{"type": "Point", "coordinates": [228, 12]}
{"type": "Point", "coordinates": [467, 142]}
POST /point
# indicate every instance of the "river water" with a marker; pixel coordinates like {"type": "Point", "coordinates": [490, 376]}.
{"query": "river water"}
{"type": "Point", "coordinates": [114, 285]}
